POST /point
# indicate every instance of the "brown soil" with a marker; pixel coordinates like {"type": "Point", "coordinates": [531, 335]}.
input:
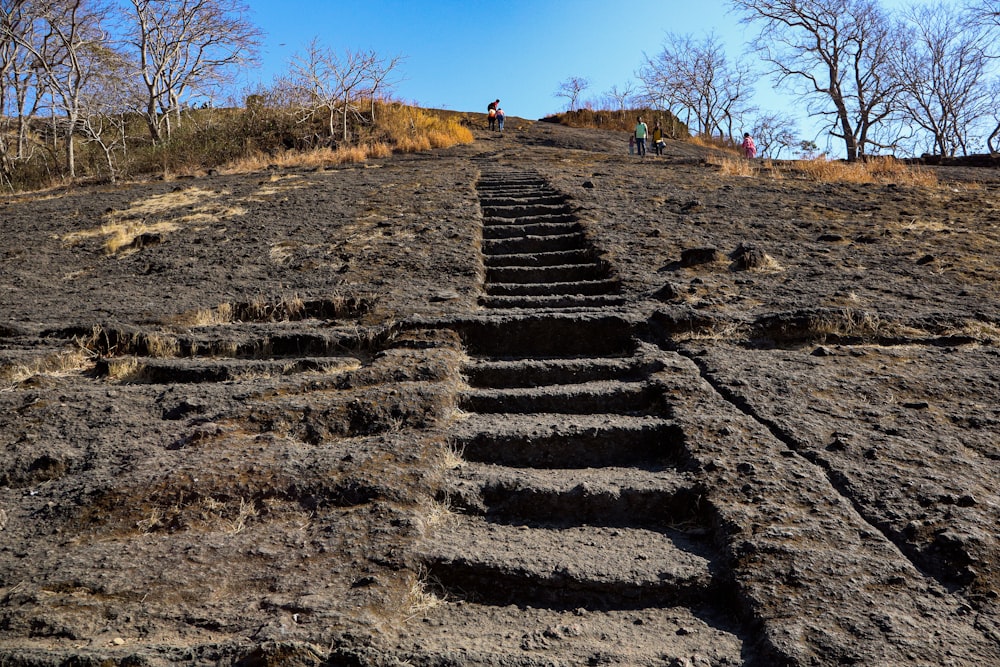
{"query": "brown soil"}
{"type": "Point", "coordinates": [530, 401]}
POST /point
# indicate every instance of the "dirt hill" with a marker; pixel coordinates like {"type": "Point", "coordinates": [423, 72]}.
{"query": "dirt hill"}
{"type": "Point", "coordinates": [531, 401]}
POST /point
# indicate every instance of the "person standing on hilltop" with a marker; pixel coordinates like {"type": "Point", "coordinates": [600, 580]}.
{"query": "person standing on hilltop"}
{"type": "Point", "coordinates": [749, 147]}
{"type": "Point", "coordinates": [491, 111]}
{"type": "Point", "coordinates": [500, 116]}
{"type": "Point", "coordinates": [658, 138]}
{"type": "Point", "coordinates": [641, 130]}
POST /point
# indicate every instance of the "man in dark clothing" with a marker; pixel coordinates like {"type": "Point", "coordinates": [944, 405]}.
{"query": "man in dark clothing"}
{"type": "Point", "coordinates": [491, 111]}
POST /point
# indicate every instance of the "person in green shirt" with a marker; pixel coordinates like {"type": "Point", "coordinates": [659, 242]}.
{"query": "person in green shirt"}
{"type": "Point", "coordinates": [640, 137]}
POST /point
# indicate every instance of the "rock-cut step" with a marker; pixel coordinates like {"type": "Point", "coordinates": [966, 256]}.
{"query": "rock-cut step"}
{"type": "Point", "coordinates": [605, 397]}
{"type": "Point", "coordinates": [508, 373]}
{"type": "Point", "coordinates": [553, 441]}
{"type": "Point", "coordinates": [539, 259]}
{"type": "Point", "coordinates": [525, 210]}
{"type": "Point", "coordinates": [547, 274]}
{"type": "Point", "coordinates": [465, 633]}
{"type": "Point", "coordinates": [534, 198]}
{"type": "Point", "coordinates": [589, 567]}
{"type": "Point", "coordinates": [580, 287]}
{"type": "Point", "coordinates": [490, 221]}
{"type": "Point", "coordinates": [608, 496]}
{"type": "Point", "coordinates": [562, 302]}
{"type": "Point", "coordinates": [531, 228]}
{"type": "Point", "coordinates": [548, 335]}
{"type": "Point", "coordinates": [535, 244]}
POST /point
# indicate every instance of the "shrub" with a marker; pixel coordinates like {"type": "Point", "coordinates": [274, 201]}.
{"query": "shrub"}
{"type": "Point", "coordinates": [622, 120]}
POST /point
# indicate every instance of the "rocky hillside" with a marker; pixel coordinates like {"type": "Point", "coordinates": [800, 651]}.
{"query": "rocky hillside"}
{"type": "Point", "coordinates": [531, 401]}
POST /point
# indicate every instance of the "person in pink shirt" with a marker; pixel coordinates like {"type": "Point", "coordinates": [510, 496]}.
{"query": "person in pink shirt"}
{"type": "Point", "coordinates": [749, 148]}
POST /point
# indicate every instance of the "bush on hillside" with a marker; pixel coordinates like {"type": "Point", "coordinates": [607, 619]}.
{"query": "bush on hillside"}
{"type": "Point", "coordinates": [623, 120]}
{"type": "Point", "coordinates": [265, 131]}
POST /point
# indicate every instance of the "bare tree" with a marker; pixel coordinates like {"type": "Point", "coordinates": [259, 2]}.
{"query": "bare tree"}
{"type": "Point", "coordinates": [73, 32]}
{"type": "Point", "coordinates": [986, 13]}
{"type": "Point", "coordinates": [334, 84]}
{"type": "Point", "coordinates": [697, 77]}
{"type": "Point", "coordinates": [571, 89]}
{"type": "Point", "coordinates": [106, 98]}
{"type": "Point", "coordinates": [838, 52]}
{"type": "Point", "coordinates": [942, 67]}
{"type": "Point", "coordinates": [622, 97]}
{"type": "Point", "coordinates": [774, 132]}
{"type": "Point", "coordinates": [185, 47]}
{"type": "Point", "coordinates": [379, 71]}
{"type": "Point", "coordinates": [17, 76]}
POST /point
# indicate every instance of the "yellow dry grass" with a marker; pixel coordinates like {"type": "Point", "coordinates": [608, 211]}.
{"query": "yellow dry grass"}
{"type": "Point", "coordinates": [123, 236]}
{"type": "Point", "coordinates": [124, 370]}
{"type": "Point", "coordinates": [57, 364]}
{"type": "Point", "coordinates": [410, 129]}
{"type": "Point", "coordinates": [288, 307]}
{"type": "Point", "coordinates": [726, 145]}
{"type": "Point", "coordinates": [157, 215]}
{"type": "Point", "coordinates": [317, 158]}
{"type": "Point", "coordinates": [734, 166]}
{"type": "Point", "coordinates": [875, 170]}
{"type": "Point", "coordinates": [419, 598]}
{"type": "Point", "coordinates": [981, 331]}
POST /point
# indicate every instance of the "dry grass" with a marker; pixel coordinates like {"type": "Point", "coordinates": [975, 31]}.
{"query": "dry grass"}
{"type": "Point", "coordinates": [985, 332]}
{"type": "Point", "coordinates": [124, 370]}
{"type": "Point", "coordinates": [718, 143]}
{"type": "Point", "coordinates": [822, 170]}
{"type": "Point", "coordinates": [207, 317]}
{"type": "Point", "coordinates": [153, 217]}
{"type": "Point", "coordinates": [246, 512]}
{"type": "Point", "coordinates": [718, 331]}
{"type": "Point", "coordinates": [735, 166]}
{"type": "Point", "coordinates": [412, 130]}
{"type": "Point", "coordinates": [403, 130]}
{"type": "Point", "coordinates": [288, 308]}
{"type": "Point", "coordinates": [848, 323]}
{"type": "Point", "coordinates": [278, 185]}
{"type": "Point", "coordinates": [876, 170]}
{"type": "Point", "coordinates": [317, 158]}
{"type": "Point", "coordinates": [123, 237]}
{"type": "Point", "coordinates": [119, 343]}
{"type": "Point", "coordinates": [419, 599]}
{"type": "Point", "coordinates": [162, 346]}
{"type": "Point", "coordinates": [453, 458]}
{"type": "Point", "coordinates": [58, 364]}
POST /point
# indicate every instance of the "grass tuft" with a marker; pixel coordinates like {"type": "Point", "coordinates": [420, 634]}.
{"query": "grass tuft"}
{"type": "Point", "coordinates": [735, 166]}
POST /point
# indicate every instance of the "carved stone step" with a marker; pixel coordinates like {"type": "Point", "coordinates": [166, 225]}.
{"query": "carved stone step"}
{"type": "Point", "coordinates": [566, 568]}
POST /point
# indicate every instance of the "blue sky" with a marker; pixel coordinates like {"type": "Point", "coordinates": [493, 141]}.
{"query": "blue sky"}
{"type": "Point", "coordinates": [461, 55]}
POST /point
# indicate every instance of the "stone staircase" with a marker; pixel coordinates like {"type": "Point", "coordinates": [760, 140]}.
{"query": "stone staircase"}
{"type": "Point", "coordinates": [574, 526]}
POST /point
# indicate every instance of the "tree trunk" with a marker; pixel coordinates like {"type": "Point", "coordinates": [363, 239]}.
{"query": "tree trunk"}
{"type": "Point", "coordinates": [70, 154]}
{"type": "Point", "coordinates": [153, 121]}
{"type": "Point", "coordinates": [22, 136]}
{"type": "Point", "coordinates": [347, 101]}
{"type": "Point", "coordinates": [850, 143]}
